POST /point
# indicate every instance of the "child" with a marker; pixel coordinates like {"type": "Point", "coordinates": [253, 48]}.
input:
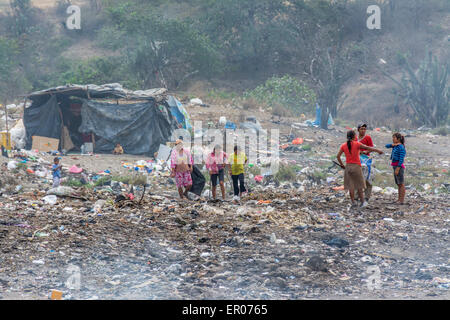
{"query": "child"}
{"type": "Point", "coordinates": [118, 149]}
{"type": "Point", "coordinates": [215, 163]}
{"type": "Point", "coordinates": [236, 166]}
{"type": "Point", "coordinates": [56, 168]}
{"type": "Point", "coordinates": [398, 157]}
{"type": "Point", "coordinates": [353, 177]}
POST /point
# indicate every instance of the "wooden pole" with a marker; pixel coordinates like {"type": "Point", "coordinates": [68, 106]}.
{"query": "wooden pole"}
{"type": "Point", "coordinates": [8, 142]}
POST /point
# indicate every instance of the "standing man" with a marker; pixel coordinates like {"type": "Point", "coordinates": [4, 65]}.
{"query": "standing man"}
{"type": "Point", "coordinates": [366, 161]}
{"type": "Point", "coordinates": [236, 165]}
{"type": "Point", "coordinates": [182, 166]}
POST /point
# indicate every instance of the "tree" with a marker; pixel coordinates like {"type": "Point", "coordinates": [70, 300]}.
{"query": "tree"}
{"type": "Point", "coordinates": [252, 35]}
{"type": "Point", "coordinates": [22, 14]}
{"type": "Point", "coordinates": [12, 80]}
{"type": "Point", "coordinates": [426, 91]}
{"type": "Point", "coordinates": [334, 60]}
{"type": "Point", "coordinates": [160, 51]}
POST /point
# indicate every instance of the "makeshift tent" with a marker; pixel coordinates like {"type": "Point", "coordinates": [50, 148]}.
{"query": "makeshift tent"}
{"type": "Point", "coordinates": [179, 112]}
{"type": "Point", "coordinates": [139, 120]}
{"type": "Point", "coordinates": [42, 120]}
{"type": "Point", "coordinates": [139, 128]}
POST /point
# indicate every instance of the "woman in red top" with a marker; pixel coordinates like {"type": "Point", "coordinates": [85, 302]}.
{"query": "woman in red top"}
{"type": "Point", "coordinates": [353, 177]}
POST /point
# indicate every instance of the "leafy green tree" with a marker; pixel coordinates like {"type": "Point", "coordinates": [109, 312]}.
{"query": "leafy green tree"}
{"type": "Point", "coordinates": [12, 78]}
{"type": "Point", "coordinates": [159, 51]}
{"type": "Point", "coordinates": [22, 15]}
{"type": "Point", "coordinates": [251, 35]}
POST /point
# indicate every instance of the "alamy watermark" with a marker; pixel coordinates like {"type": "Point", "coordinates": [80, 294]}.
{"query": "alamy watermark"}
{"type": "Point", "coordinates": [374, 279]}
{"type": "Point", "coordinates": [374, 20]}
{"type": "Point", "coordinates": [261, 147]}
{"type": "Point", "coordinates": [73, 22]}
{"type": "Point", "coordinates": [74, 280]}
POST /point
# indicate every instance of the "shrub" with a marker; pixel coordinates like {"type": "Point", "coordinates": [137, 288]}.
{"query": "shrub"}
{"type": "Point", "coordinates": [442, 131]}
{"type": "Point", "coordinates": [286, 173]}
{"type": "Point", "coordinates": [307, 147]}
{"type": "Point", "coordinates": [139, 180]}
{"type": "Point", "coordinates": [287, 92]}
{"type": "Point", "coordinates": [73, 183]}
{"type": "Point", "coordinates": [281, 111]}
{"type": "Point", "coordinates": [102, 181]}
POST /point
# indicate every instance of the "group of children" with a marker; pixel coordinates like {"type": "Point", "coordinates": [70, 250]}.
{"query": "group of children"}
{"type": "Point", "coordinates": [357, 150]}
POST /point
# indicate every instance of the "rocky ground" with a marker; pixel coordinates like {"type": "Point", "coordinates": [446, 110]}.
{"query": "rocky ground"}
{"type": "Point", "coordinates": [290, 247]}
{"type": "Point", "coordinates": [291, 238]}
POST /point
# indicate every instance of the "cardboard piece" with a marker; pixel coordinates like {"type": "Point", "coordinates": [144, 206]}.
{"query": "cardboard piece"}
{"type": "Point", "coordinates": [66, 141]}
{"type": "Point", "coordinates": [56, 295]}
{"type": "Point", "coordinates": [44, 144]}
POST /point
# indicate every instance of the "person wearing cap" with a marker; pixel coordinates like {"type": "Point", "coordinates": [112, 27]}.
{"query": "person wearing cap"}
{"type": "Point", "coordinates": [366, 161]}
{"type": "Point", "coordinates": [182, 166]}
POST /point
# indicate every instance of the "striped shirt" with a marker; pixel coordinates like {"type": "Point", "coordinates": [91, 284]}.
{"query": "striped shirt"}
{"type": "Point", "coordinates": [398, 155]}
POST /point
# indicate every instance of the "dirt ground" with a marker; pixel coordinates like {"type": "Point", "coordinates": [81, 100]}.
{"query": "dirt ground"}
{"type": "Point", "coordinates": [296, 239]}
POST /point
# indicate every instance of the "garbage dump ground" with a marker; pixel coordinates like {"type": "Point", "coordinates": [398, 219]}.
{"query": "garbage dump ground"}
{"type": "Point", "coordinates": [296, 238]}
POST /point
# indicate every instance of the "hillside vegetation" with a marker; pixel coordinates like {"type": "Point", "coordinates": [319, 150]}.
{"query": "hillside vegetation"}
{"type": "Point", "coordinates": [237, 48]}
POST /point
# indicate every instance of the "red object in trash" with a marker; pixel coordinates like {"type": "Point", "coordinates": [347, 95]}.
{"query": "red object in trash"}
{"type": "Point", "coordinates": [131, 196]}
{"type": "Point", "coordinates": [75, 169]}
{"type": "Point", "coordinates": [297, 141]}
{"type": "Point", "coordinates": [259, 178]}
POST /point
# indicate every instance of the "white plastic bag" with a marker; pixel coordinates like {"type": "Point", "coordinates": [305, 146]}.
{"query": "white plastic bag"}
{"type": "Point", "coordinates": [52, 199]}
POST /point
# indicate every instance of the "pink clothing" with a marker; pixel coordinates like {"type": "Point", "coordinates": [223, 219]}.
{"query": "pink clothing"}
{"type": "Point", "coordinates": [183, 179]}
{"type": "Point", "coordinates": [175, 158]}
{"type": "Point", "coordinates": [395, 164]}
{"type": "Point", "coordinates": [215, 163]}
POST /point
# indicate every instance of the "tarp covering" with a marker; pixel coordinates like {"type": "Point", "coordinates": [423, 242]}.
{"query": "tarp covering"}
{"type": "Point", "coordinates": [102, 91]}
{"type": "Point", "coordinates": [42, 120]}
{"type": "Point", "coordinates": [179, 112]}
{"type": "Point", "coordinates": [140, 128]}
{"type": "Point", "coordinates": [318, 120]}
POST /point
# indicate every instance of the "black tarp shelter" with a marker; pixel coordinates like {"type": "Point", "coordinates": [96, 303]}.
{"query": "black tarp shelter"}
{"type": "Point", "coordinates": [139, 120]}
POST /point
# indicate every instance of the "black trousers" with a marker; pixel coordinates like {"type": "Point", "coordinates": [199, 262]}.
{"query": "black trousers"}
{"type": "Point", "coordinates": [238, 184]}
